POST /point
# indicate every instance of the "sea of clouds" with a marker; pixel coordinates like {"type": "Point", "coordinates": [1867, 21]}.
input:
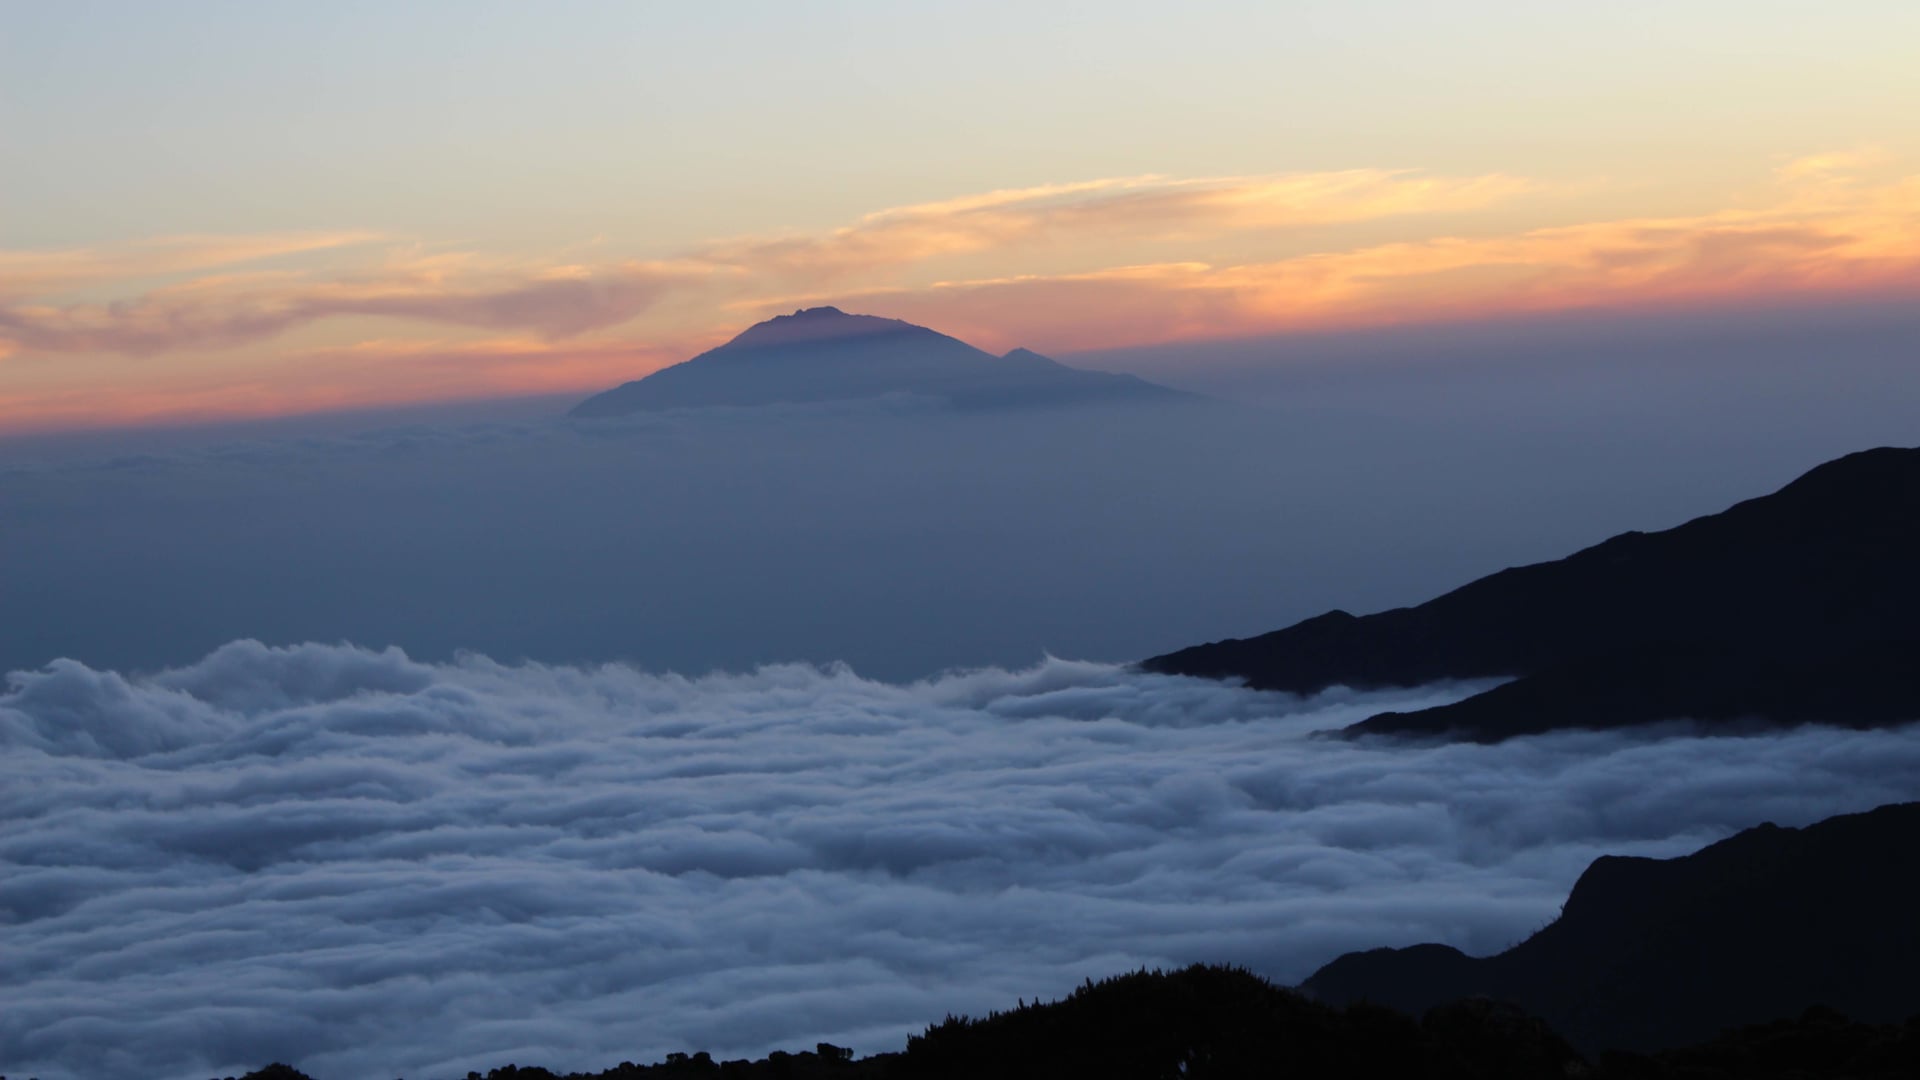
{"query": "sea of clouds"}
{"type": "Point", "coordinates": [372, 866]}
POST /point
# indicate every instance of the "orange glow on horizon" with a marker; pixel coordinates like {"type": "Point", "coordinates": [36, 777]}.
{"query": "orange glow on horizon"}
{"type": "Point", "coordinates": [172, 353]}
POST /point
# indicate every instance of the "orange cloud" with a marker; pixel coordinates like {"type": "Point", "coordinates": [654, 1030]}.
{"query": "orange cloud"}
{"type": "Point", "coordinates": [1834, 164]}
{"type": "Point", "coordinates": [41, 273]}
{"type": "Point", "coordinates": [210, 314]}
{"type": "Point", "coordinates": [1129, 208]}
{"type": "Point", "coordinates": [1825, 240]}
{"type": "Point", "coordinates": [463, 289]}
{"type": "Point", "coordinates": [221, 311]}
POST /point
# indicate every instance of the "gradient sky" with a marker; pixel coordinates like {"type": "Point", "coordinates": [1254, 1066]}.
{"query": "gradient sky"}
{"type": "Point", "coordinates": [244, 209]}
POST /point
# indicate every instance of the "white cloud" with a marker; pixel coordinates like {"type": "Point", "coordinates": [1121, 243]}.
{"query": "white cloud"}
{"type": "Point", "coordinates": [369, 865]}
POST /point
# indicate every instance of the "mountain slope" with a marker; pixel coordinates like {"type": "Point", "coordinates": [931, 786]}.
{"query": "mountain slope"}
{"type": "Point", "coordinates": [1797, 606]}
{"type": "Point", "coordinates": [824, 354]}
{"type": "Point", "coordinates": [1649, 953]}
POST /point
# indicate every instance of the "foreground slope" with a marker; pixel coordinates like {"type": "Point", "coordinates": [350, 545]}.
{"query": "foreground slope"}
{"type": "Point", "coordinates": [824, 354]}
{"type": "Point", "coordinates": [1225, 1023]}
{"type": "Point", "coordinates": [1794, 607]}
{"type": "Point", "coordinates": [1650, 954]}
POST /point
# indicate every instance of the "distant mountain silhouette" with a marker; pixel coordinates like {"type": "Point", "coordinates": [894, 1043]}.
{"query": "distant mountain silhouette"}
{"type": "Point", "coordinates": [1649, 954]}
{"type": "Point", "coordinates": [1799, 606]}
{"type": "Point", "coordinates": [824, 354]}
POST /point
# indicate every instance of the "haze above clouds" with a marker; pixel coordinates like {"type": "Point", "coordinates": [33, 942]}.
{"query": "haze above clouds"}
{"type": "Point", "coordinates": [1376, 469]}
{"type": "Point", "coordinates": [373, 866]}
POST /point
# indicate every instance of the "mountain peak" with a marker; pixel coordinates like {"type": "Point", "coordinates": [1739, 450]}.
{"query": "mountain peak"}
{"type": "Point", "coordinates": [825, 354]}
{"type": "Point", "coordinates": [823, 323]}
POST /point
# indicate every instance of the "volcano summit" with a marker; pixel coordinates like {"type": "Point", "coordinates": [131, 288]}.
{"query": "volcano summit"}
{"type": "Point", "coordinates": [824, 354]}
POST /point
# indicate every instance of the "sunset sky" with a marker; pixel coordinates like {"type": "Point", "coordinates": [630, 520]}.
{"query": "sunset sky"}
{"type": "Point", "coordinates": [241, 209]}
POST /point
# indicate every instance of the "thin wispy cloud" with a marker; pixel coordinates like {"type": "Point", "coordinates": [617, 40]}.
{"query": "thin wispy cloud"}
{"type": "Point", "coordinates": [1129, 208]}
{"type": "Point", "coordinates": [1812, 238]}
{"type": "Point", "coordinates": [1834, 164]}
{"type": "Point", "coordinates": [41, 273]}
{"type": "Point", "coordinates": [205, 316]}
{"type": "Point", "coordinates": [567, 300]}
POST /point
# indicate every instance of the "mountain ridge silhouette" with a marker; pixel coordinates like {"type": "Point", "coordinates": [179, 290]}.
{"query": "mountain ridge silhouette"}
{"type": "Point", "coordinates": [1788, 608]}
{"type": "Point", "coordinates": [1650, 954]}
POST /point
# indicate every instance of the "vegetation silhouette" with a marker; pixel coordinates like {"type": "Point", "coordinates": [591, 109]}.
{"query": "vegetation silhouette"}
{"type": "Point", "coordinates": [1227, 1023]}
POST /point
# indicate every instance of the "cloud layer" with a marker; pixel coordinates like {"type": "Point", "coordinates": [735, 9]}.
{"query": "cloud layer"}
{"type": "Point", "coordinates": [373, 866]}
{"type": "Point", "coordinates": [1823, 231]}
{"type": "Point", "coordinates": [1152, 208]}
{"type": "Point", "coordinates": [553, 303]}
{"type": "Point", "coordinates": [563, 299]}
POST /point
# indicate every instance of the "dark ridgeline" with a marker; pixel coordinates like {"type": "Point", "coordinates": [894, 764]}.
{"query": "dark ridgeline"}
{"type": "Point", "coordinates": [1650, 954]}
{"type": "Point", "coordinates": [1795, 607]}
{"type": "Point", "coordinates": [824, 354]}
{"type": "Point", "coordinates": [1225, 1024]}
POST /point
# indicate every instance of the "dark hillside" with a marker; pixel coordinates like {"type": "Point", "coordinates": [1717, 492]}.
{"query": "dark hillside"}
{"type": "Point", "coordinates": [1789, 608]}
{"type": "Point", "coordinates": [1650, 954]}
